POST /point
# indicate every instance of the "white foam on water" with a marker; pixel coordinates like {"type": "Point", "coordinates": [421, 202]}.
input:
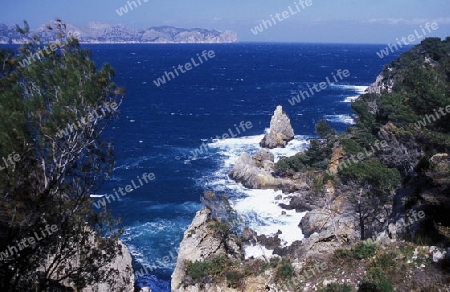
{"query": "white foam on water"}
{"type": "Point", "coordinates": [343, 119]}
{"type": "Point", "coordinates": [350, 98]}
{"type": "Point", "coordinates": [265, 215]}
{"type": "Point", "coordinates": [260, 208]}
{"type": "Point", "coordinates": [258, 251]}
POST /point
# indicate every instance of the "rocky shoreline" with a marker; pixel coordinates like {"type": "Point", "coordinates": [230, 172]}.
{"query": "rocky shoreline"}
{"type": "Point", "coordinates": [329, 224]}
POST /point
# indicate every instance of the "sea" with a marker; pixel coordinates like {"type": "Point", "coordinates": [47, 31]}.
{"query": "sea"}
{"type": "Point", "coordinates": [171, 131]}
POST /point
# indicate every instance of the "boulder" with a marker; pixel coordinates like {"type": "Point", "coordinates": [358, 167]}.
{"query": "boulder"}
{"type": "Point", "coordinates": [247, 172]}
{"type": "Point", "coordinates": [280, 132]}
{"type": "Point", "coordinates": [264, 159]}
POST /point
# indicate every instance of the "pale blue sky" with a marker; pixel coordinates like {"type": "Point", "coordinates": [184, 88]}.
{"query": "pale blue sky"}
{"type": "Point", "coordinates": [344, 21]}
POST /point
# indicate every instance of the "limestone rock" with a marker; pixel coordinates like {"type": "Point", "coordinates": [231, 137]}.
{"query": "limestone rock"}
{"type": "Point", "coordinates": [247, 172]}
{"type": "Point", "coordinates": [280, 132]}
{"type": "Point", "coordinates": [336, 157]}
{"type": "Point", "coordinates": [264, 158]}
{"type": "Point", "coordinates": [200, 244]}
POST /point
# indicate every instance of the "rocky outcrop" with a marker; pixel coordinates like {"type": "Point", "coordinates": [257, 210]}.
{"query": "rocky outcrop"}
{"type": "Point", "coordinates": [199, 244]}
{"type": "Point", "coordinates": [280, 132]}
{"type": "Point", "coordinates": [402, 152]}
{"type": "Point", "coordinates": [381, 84]}
{"type": "Point", "coordinates": [254, 173]}
{"type": "Point", "coordinates": [336, 157]}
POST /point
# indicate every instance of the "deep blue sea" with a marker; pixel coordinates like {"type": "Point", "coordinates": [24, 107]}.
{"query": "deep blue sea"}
{"type": "Point", "coordinates": [158, 128]}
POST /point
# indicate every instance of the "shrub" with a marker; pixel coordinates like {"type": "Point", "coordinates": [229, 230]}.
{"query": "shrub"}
{"type": "Point", "coordinates": [362, 250]}
{"type": "Point", "coordinates": [385, 261]}
{"type": "Point", "coordinates": [317, 156]}
{"type": "Point", "coordinates": [365, 249]}
{"type": "Point", "coordinates": [285, 270]}
{"type": "Point", "coordinates": [324, 130]}
{"type": "Point", "coordinates": [235, 279]}
{"type": "Point", "coordinates": [215, 268]}
{"type": "Point", "coordinates": [351, 147]}
{"type": "Point", "coordinates": [380, 280]}
{"type": "Point", "coordinates": [335, 287]}
{"type": "Point", "coordinates": [197, 270]}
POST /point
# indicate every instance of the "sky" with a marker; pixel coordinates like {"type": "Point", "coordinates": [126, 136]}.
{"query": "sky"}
{"type": "Point", "coordinates": [323, 21]}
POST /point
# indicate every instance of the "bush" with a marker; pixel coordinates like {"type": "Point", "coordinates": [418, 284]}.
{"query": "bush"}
{"type": "Point", "coordinates": [215, 268]}
{"type": "Point", "coordinates": [362, 250]}
{"type": "Point", "coordinates": [335, 287]}
{"type": "Point", "coordinates": [385, 261]}
{"type": "Point", "coordinates": [380, 280]}
{"type": "Point", "coordinates": [365, 249]}
{"type": "Point", "coordinates": [285, 271]}
{"type": "Point", "coordinates": [324, 130]}
{"type": "Point", "coordinates": [197, 270]}
{"type": "Point", "coordinates": [317, 156]}
{"type": "Point", "coordinates": [235, 279]}
{"type": "Point", "coordinates": [351, 147]}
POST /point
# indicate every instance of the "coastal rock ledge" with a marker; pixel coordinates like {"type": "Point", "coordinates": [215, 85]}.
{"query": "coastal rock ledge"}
{"type": "Point", "coordinates": [255, 172]}
{"type": "Point", "coordinates": [280, 132]}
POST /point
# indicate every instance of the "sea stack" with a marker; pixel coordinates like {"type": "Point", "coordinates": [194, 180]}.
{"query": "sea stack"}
{"type": "Point", "coordinates": [280, 132]}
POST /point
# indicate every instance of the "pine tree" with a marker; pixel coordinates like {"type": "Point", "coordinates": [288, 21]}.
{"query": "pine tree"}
{"type": "Point", "coordinates": [52, 181]}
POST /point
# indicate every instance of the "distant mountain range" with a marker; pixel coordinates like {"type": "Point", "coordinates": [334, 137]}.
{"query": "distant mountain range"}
{"type": "Point", "coordinates": [102, 33]}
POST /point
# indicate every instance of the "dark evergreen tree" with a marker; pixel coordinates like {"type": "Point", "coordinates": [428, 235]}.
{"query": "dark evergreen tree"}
{"type": "Point", "coordinates": [54, 105]}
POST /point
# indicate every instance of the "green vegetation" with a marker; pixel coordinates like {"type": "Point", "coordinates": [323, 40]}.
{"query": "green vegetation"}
{"type": "Point", "coordinates": [379, 280]}
{"type": "Point", "coordinates": [216, 268]}
{"type": "Point", "coordinates": [324, 130]}
{"type": "Point", "coordinates": [421, 86]}
{"type": "Point", "coordinates": [55, 176]}
{"type": "Point", "coordinates": [335, 287]}
{"type": "Point", "coordinates": [221, 268]}
{"type": "Point", "coordinates": [285, 270]}
{"type": "Point", "coordinates": [374, 173]}
{"type": "Point", "coordinates": [317, 156]}
{"type": "Point", "coordinates": [362, 250]}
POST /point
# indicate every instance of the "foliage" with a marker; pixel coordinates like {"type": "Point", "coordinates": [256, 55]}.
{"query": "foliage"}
{"type": "Point", "coordinates": [385, 261]}
{"type": "Point", "coordinates": [420, 79]}
{"type": "Point", "coordinates": [285, 270]}
{"type": "Point", "coordinates": [55, 176]}
{"type": "Point", "coordinates": [324, 130]}
{"type": "Point", "coordinates": [351, 147]}
{"type": "Point", "coordinates": [373, 172]}
{"type": "Point", "coordinates": [336, 287]}
{"type": "Point", "coordinates": [379, 279]}
{"type": "Point", "coordinates": [317, 156]}
{"type": "Point", "coordinates": [215, 268]}
{"type": "Point", "coordinates": [362, 250]}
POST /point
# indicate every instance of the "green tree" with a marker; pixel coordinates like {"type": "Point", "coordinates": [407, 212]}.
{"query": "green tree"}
{"type": "Point", "coordinates": [324, 130]}
{"type": "Point", "coordinates": [51, 183]}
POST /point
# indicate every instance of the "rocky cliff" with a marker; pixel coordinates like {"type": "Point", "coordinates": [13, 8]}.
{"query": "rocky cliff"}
{"type": "Point", "coordinates": [96, 33]}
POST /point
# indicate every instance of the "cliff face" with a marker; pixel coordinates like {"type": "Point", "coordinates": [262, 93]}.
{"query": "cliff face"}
{"type": "Point", "coordinates": [107, 33]}
{"type": "Point", "coordinates": [201, 243]}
